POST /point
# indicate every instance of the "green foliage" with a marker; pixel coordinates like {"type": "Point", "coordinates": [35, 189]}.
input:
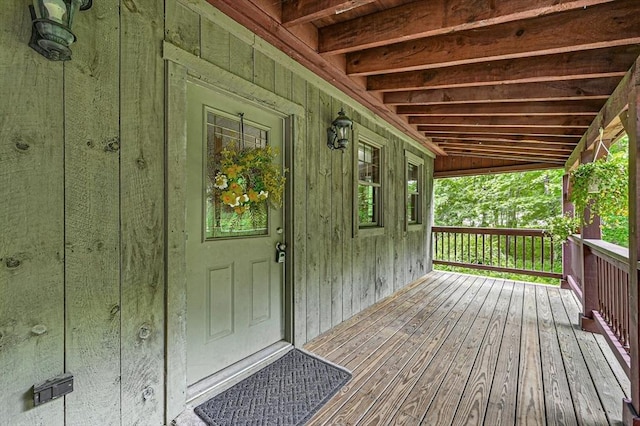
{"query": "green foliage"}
{"type": "Point", "coordinates": [534, 200]}
{"type": "Point", "coordinates": [615, 229]}
{"type": "Point", "coordinates": [560, 227]}
{"type": "Point", "coordinates": [602, 187]}
{"type": "Point", "coordinates": [512, 200]}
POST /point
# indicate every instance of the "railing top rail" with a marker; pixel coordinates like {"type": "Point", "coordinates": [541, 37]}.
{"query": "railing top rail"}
{"type": "Point", "coordinates": [490, 231]}
{"type": "Point", "coordinates": [608, 250]}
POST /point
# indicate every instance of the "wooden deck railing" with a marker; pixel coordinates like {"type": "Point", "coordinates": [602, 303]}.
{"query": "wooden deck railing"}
{"type": "Point", "coordinates": [520, 251]}
{"type": "Point", "coordinates": [572, 264]}
{"type": "Point", "coordinates": [606, 293]}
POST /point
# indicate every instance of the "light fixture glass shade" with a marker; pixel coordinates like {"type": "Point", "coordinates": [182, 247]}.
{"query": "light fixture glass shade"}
{"type": "Point", "coordinates": [54, 10]}
{"type": "Point", "coordinates": [52, 19]}
{"type": "Point", "coordinates": [338, 134]}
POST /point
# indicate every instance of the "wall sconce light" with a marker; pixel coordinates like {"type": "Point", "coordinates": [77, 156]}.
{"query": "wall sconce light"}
{"type": "Point", "coordinates": [338, 133]}
{"type": "Point", "coordinates": [51, 34]}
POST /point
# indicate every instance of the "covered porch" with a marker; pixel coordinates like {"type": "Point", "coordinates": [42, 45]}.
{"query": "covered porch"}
{"type": "Point", "coordinates": [94, 256]}
{"type": "Point", "coordinates": [460, 349]}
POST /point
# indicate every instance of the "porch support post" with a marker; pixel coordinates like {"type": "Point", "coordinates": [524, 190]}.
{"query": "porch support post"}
{"type": "Point", "coordinates": [567, 209]}
{"type": "Point", "coordinates": [590, 300]}
{"type": "Point", "coordinates": [632, 407]}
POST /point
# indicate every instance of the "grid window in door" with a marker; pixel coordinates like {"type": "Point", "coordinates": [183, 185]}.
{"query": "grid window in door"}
{"type": "Point", "coordinates": [369, 185]}
{"type": "Point", "coordinates": [413, 193]}
{"type": "Point", "coordinates": [223, 132]}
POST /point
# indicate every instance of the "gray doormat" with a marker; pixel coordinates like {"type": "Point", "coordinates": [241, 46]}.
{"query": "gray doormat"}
{"type": "Point", "coordinates": [287, 392]}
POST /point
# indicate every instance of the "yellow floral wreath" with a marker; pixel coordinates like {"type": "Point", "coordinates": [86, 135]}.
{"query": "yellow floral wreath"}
{"type": "Point", "coordinates": [244, 179]}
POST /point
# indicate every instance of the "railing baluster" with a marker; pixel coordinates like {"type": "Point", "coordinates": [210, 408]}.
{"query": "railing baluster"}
{"type": "Point", "coordinates": [542, 241]}
{"type": "Point", "coordinates": [510, 254]}
{"type": "Point", "coordinates": [533, 254]}
{"type": "Point", "coordinates": [491, 249]}
{"type": "Point", "coordinates": [476, 258]}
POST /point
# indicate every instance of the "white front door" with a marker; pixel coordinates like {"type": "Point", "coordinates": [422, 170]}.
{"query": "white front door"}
{"type": "Point", "coordinates": [234, 284]}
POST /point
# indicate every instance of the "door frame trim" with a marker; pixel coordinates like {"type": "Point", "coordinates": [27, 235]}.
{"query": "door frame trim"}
{"type": "Point", "coordinates": [182, 67]}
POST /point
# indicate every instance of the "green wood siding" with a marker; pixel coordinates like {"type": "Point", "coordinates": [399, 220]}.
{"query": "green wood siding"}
{"type": "Point", "coordinates": [85, 243]}
{"type": "Point", "coordinates": [335, 275]}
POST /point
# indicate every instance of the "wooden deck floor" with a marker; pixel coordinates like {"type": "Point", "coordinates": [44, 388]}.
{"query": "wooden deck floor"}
{"type": "Point", "coordinates": [455, 349]}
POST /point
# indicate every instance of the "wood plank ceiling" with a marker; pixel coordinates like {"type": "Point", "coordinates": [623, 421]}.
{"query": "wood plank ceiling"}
{"type": "Point", "coordinates": [487, 85]}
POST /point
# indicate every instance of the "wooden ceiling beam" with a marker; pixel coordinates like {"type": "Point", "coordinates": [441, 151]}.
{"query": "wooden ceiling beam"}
{"type": "Point", "coordinates": [609, 114]}
{"type": "Point", "coordinates": [518, 121]}
{"type": "Point", "coordinates": [497, 138]}
{"type": "Point", "coordinates": [599, 88]}
{"type": "Point", "coordinates": [434, 17]}
{"type": "Point", "coordinates": [458, 143]}
{"type": "Point", "coordinates": [246, 13]}
{"type": "Point", "coordinates": [295, 12]}
{"type": "Point", "coordinates": [552, 156]}
{"type": "Point", "coordinates": [430, 131]}
{"type": "Point", "coordinates": [597, 63]}
{"type": "Point", "coordinates": [611, 24]}
{"type": "Point", "coordinates": [491, 170]}
{"type": "Point", "coordinates": [526, 158]}
{"type": "Point", "coordinates": [589, 108]}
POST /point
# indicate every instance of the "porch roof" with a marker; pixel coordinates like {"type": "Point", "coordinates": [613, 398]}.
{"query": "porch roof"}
{"type": "Point", "coordinates": [454, 349]}
{"type": "Point", "coordinates": [487, 86]}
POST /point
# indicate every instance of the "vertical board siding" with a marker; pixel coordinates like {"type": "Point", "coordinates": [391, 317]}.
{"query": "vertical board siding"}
{"type": "Point", "coordinates": [92, 218]}
{"type": "Point", "coordinates": [176, 359]}
{"type": "Point", "coordinates": [31, 213]}
{"type": "Point", "coordinates": [347, 229]}
{"type": "Point", "coordinates": [215, 44]}
{"type": "Point", "coordinates": [182, 27]}
{"type": "Point", "coordinates": [299, 220]}
{"type": "Point", "coordinates": [338, 212]}
{"type": "Point", "coordinates": [142, 212]}
{"type": "Point", "coordinates": [324, 212]}
{"type": "Point", "coordinates": [312, 212]}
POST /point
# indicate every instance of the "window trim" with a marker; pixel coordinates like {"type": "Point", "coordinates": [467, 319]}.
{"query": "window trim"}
{"type": "Point", "coordinates": [373, 139]}
{"type": "Point", "coordinates": [415, 160]}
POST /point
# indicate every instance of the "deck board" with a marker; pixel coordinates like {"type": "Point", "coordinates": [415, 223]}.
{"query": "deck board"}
{"type": "Point", "coordinates": [396, 354]}
{"type": "Point", "coordinates": [530, 406]}
{"type": "Point", "coordinates": [501, 406]}
{"type": "Point", "coordinates": [472, 407]}
{"type": "Point", "coordinates": [457, 349]}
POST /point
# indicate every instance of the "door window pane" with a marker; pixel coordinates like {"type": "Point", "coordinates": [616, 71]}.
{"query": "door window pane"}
{"type": "Point", "coordinates": [221, 220]}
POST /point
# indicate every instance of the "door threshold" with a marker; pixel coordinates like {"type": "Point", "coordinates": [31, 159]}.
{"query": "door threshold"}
{"type": "Point", "coordinates": [217, 383]}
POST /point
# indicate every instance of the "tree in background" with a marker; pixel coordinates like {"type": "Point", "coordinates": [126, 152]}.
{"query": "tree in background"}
{"type": "Point", "coordinates": [615, 228]}
{"type": "Point", "coordinates": [510, 200]}
{"type": "Point", "coordinates": [516, 200]}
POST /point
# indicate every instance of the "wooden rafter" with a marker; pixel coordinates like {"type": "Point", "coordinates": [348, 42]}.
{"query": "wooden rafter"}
{"type": "Point", "coordinates": [295, 12]}
{"type": "Point", "coordinates": [607, 62]}
{"type": "Point", "coordinates": [540, 146]}
{"type": "Point", "coordinates": [512, 75]}
{"type": "Point", "coordinates": [611, 24]}
{"type": "Point", "coordinates": [615, 105]}
{"type": "Point", "coordinates": [599, 88]}
{"type": "Point", "coordinates": [518, 121]}
{"type": "Point", "coordinates": [523, 158]}
{"type": "Point", "coordinates": [589, 108]}
{"type": "Point", "coordinates": [519, 131]}
{"type": "Point", "coordinates": [442, 172]}
{"type": "Point", "coordinates": [435, 17]}
{"type": "Point", "coordinates": [499, 152]}
{"type": "Point", "coordinates": [488, 137]}
{"type": "Point", "coordinates": [252, 16]}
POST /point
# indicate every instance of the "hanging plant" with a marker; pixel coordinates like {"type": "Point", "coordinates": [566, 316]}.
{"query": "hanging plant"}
{"type": "Point", "coordinates": [246, 179]}
{"type": "Point", "coordinates": [561, 227]}
{"type": "Point", "coordinates": [602, 187]}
